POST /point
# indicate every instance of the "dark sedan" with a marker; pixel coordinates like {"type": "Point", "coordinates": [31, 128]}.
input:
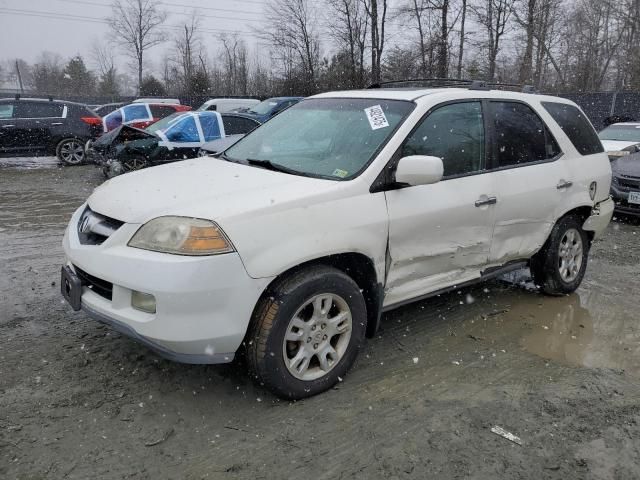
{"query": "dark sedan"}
{"type": "Point", "coordinates": [625, 184]}
{"type": "Point", "coordinates": [270, 108]}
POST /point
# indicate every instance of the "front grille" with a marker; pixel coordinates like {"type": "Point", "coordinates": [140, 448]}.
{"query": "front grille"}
{"type": "Point", "coordinates": [94, 228]}
{"type": "Point", "coordinates": [629, 183]}
{"type": "Point", "coordinates": [99, 286]}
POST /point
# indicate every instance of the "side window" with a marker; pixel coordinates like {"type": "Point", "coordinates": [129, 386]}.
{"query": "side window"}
{"type": "Point", "coordinates": [6, 110]}
{"type": "Point", "coordinates": [39, 110]}
{"type": "Point", "coordinates": [454, 133]}
{"type": "Point", "coordinates": [576, 126]}
{"type": "Point", "coordinates": [237, 125]}
{"type": "Point", "coordinates": [113, 120]}
{"type": "Point", "coordinates": [135, 112]}
{"type": "Point", "coordinates": [521, 136]}
{"type": "Point", "coordinates": [184, 131]}
{"type": "Point", "coordinates": [212, 108]}
{"type": "Point", "coordinates": [161, 111]}
{"type": "Point", "coordinates": [210, 127]}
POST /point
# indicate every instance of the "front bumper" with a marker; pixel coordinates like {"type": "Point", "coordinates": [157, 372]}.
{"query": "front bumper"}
{"type": "Point", "coordinates": [621, 200]}
{"type": "Point", "coordinates": [203, 304]}
{"type": "Point", "coordinates": [600, 217]}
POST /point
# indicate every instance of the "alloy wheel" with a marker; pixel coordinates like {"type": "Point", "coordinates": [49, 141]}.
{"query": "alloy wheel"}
{"type": "Point", "coordinates": [570, 255]}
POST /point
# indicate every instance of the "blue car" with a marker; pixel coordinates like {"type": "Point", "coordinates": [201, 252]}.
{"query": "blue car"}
{"type": "Point", "coordinates": [269, 108]}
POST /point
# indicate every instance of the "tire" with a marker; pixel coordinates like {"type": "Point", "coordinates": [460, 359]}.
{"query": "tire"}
{"type": "Point", "coordinates": [132, 164]}
{"type": "Point", "coordinates": [558, 269]}
{"type": "Point", "coordinates": [311, 306]}
{"type": "Point", "coordinates": [70, 151]}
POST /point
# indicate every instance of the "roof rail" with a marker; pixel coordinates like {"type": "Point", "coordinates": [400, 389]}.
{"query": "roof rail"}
{"type": "Point", "coordinates": [453, 83]}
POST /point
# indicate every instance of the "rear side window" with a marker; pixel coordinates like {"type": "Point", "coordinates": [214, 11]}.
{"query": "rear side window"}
{"type": "Point", "coordinates": [211, 127]}
{"type": "Point", "coordinates": [161, 111]}
{"type": "Point", "coordinates": [39, 110]}
{"type": "Point", "coordinates": [576, 126]}
{"type": "Point", "coordinates": [184, 130]}
{"type": "Point", "coordinates": [237, 125]}
{"type": "Point", "coordinates": [6, 110]}
{"type": "Point", "coordinates": [521, 137]}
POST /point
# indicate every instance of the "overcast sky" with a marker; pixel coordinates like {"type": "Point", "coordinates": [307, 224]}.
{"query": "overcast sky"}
{"type": "Point", "coordinates": [68, 27]}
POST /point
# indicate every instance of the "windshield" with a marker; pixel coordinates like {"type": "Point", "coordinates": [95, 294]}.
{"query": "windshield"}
{"type": "Point", "coordinates": [331, 138]}
{"type": "Point", "coordinates": [264, 107]}
{"type": "Point", "coordinates": [622, 133]}
{"type": "Point", "coordinates": [164, 123]}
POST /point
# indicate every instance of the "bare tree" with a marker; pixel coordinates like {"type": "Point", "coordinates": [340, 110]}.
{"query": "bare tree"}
{"type": "Point", "coordinates": [236, 70]}
{"type": "Point", "coordinates": [291, 30]}
{"type": "Point", "coordinates": [349, 27]}
{"type": "Point", "coordinates": [494, 16]}
{"type": "Point", "coordinates": [463, 21]}
{"type": "Point", "coordinates": [377, 13]}
{"type": "Point", "coordinates": [135, 27]}
{"type": "Point", "coordinates": [418, 12]}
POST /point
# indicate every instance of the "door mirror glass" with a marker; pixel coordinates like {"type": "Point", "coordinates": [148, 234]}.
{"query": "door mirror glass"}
{"type": "Point", "coordinates": [419, 170]}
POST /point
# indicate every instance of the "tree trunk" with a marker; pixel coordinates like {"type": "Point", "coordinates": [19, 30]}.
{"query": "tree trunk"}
{"type": "Point", "coordinates": [527, 60]}
{"type": "Point", "coordinates": [443, 47]}
{"type": "Point", "coordinates": [461, 49]}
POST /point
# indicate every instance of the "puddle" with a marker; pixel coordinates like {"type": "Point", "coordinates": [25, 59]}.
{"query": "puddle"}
{"type": "Point", "coordinates": [589, 328]}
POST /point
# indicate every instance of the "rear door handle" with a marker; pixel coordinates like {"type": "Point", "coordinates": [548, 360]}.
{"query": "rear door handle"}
{"type": "Point", "coordinates": [56, 123]}
{"type": "Point", "coordinates": [564, 184]}
{"type": "Point", "coordinates": [481, 202]}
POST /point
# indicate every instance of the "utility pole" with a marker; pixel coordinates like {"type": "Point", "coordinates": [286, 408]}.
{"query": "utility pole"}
{"type": "Point", "coordinates": [19, 77]}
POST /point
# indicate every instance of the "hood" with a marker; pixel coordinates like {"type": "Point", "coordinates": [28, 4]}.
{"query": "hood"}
{"type": "Point", "coordinates": [221, 144]}
{"type": "Point", "coordinates": [616, 145]}
{"type": "Point", "coordinates": [204, 188]}
{"type": "Point", "coordinates": [124, 133]}
{"type": "Point", "coordinates": [628, 166]}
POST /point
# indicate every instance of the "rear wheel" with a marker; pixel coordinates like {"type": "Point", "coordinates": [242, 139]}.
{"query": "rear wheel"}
{"type": "Point", "coordinates": [134, 163]}
{"type": "Point", "coordinates": [70, 151]}
{"type": "Point", "coordinates": [561, 264]}
{"type": "Point", "coordinates": [306, 332]}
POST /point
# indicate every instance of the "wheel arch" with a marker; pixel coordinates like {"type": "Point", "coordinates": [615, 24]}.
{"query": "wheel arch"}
{"type": "Point", "coordinates": [358, 267]}
{"type": "Point", "coordinates": [583, 212]}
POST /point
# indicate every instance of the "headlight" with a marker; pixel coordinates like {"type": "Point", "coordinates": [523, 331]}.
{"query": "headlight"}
{"type": "Point", "coordinates": [181, 236]}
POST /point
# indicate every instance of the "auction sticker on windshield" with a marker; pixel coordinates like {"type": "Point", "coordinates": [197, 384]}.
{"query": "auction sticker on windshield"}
{"type": "Point", "coordinates": [376, 117]}
{"type": "Point", "coordinates": [634, 197]}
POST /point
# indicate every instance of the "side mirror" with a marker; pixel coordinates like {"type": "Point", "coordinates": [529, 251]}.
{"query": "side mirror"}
{"type": "Point", "coordinates": [419, 170]}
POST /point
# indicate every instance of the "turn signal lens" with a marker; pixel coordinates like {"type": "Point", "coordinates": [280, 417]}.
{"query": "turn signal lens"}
{"type": "Point", "coordinates": [182, 236]}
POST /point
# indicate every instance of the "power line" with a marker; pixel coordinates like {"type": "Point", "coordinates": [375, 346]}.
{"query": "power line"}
{"type": "Point", "coordinates": [61, 16]}
{"type": "Point", "coordinates": [81, 2]}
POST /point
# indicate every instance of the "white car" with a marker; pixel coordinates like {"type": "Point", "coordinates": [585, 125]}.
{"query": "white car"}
{"type": "Point", "coordinates": [621, 139]}
{"type": "Point", "coordinates": [296, 240]}
{"type": "Point", "coordinates": [222, 105]}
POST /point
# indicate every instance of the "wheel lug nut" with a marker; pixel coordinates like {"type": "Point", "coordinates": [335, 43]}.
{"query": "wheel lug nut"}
{"type": "Point", "coordinates": [309, 340]}
{"type": "Point", "coordinates": [315, 345]}
{"type": "Point", "coordinates": [313, 328]}
{"type": "Point", "coordinates": [324, 325]}
{"type": "Point", "coordinates": [324, 338]}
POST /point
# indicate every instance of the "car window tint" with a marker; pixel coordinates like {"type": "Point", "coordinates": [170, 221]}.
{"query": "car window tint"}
{"type": "Point", "coordinates": [212, 108]}
{"type": "Point", "coordinates": [135, 112]}
{"type": "Point", "coordinates": [6, 110]}
{"type": "Point", "coordinates": [184, 130]}
{"type": "Point", "coordinates": [161, 111]}
{"type": "Point", "coordinates": [39, 110]}
{"type": "Point", "coordinates": [576, 126]}
{"type": "Point", "coordinates": [521, 136]}
{"type": "Point", "coordinates": [454, 133]}
{"type": "Point", "coordinates": [237, 125]}
{"type": "Point", "coordinates": [211, 127]}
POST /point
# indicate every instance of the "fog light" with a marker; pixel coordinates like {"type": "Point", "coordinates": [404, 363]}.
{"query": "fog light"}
{"type": "Point", "coordinates": [143, 302]}
{"type": "Point", "coordinates": [593, 188]}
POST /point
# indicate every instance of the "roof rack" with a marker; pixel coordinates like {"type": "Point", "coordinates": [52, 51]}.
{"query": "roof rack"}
{"type": "Point", "coordinates": [453, 83]}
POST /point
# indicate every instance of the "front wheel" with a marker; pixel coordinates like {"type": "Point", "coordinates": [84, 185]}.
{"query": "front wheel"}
{"type": "Point", "coordinates": [70, 151]}
{"type": "Point", "coordinates": [306, 332]}
{"type": "Point", "coordinates": [558, 269]}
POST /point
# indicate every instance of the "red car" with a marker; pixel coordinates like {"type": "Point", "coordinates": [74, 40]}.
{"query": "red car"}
{"type": "Point", "coordinates": [140, 115]}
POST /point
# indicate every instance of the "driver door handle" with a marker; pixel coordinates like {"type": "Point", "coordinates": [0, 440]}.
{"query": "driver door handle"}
{"type": "Point", "coordinates": [564, 184]}
{"type": "Point", "coordinates": [481, 202]}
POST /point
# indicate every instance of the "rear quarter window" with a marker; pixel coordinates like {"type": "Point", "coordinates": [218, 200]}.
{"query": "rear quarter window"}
{"type": "Point", "coordinates": [39, 110]}
{"type": "Point", "coordinates": [576, 126]}
{"type": "Point", "coordinates": [6, 110]}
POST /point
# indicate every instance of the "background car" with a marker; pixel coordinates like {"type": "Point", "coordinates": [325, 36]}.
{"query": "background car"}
{"type": "Point", "coordinates": [140, 115]}
{"type": "Point", "coordinates": [224, 105]}
{"type": "Point", "coordinates": [625, 184]}
{"type": "Point", "coordinates": [172, 101]}
{"type": "Point", "coordinates": [270, 108]}
{"type": "Point", "coordinates": [47, 127]}
{"type": "Point", "coordinates": [621, 139]}
{"type": "Point", "coordinates": [107, 108]}
{"type": "Point", "coordinates": [176, 137]}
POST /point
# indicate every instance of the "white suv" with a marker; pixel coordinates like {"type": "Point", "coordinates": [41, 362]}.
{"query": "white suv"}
{"type": "Point", "coordinates": [349, 204]}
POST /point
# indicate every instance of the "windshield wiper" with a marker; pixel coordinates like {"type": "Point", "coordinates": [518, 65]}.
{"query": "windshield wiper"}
{"type": "Point", "coordinates": [269, 165]}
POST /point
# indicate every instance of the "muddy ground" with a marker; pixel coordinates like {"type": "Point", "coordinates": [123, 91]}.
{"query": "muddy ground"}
{"type": "Point", "coordinates": [79, 401]}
